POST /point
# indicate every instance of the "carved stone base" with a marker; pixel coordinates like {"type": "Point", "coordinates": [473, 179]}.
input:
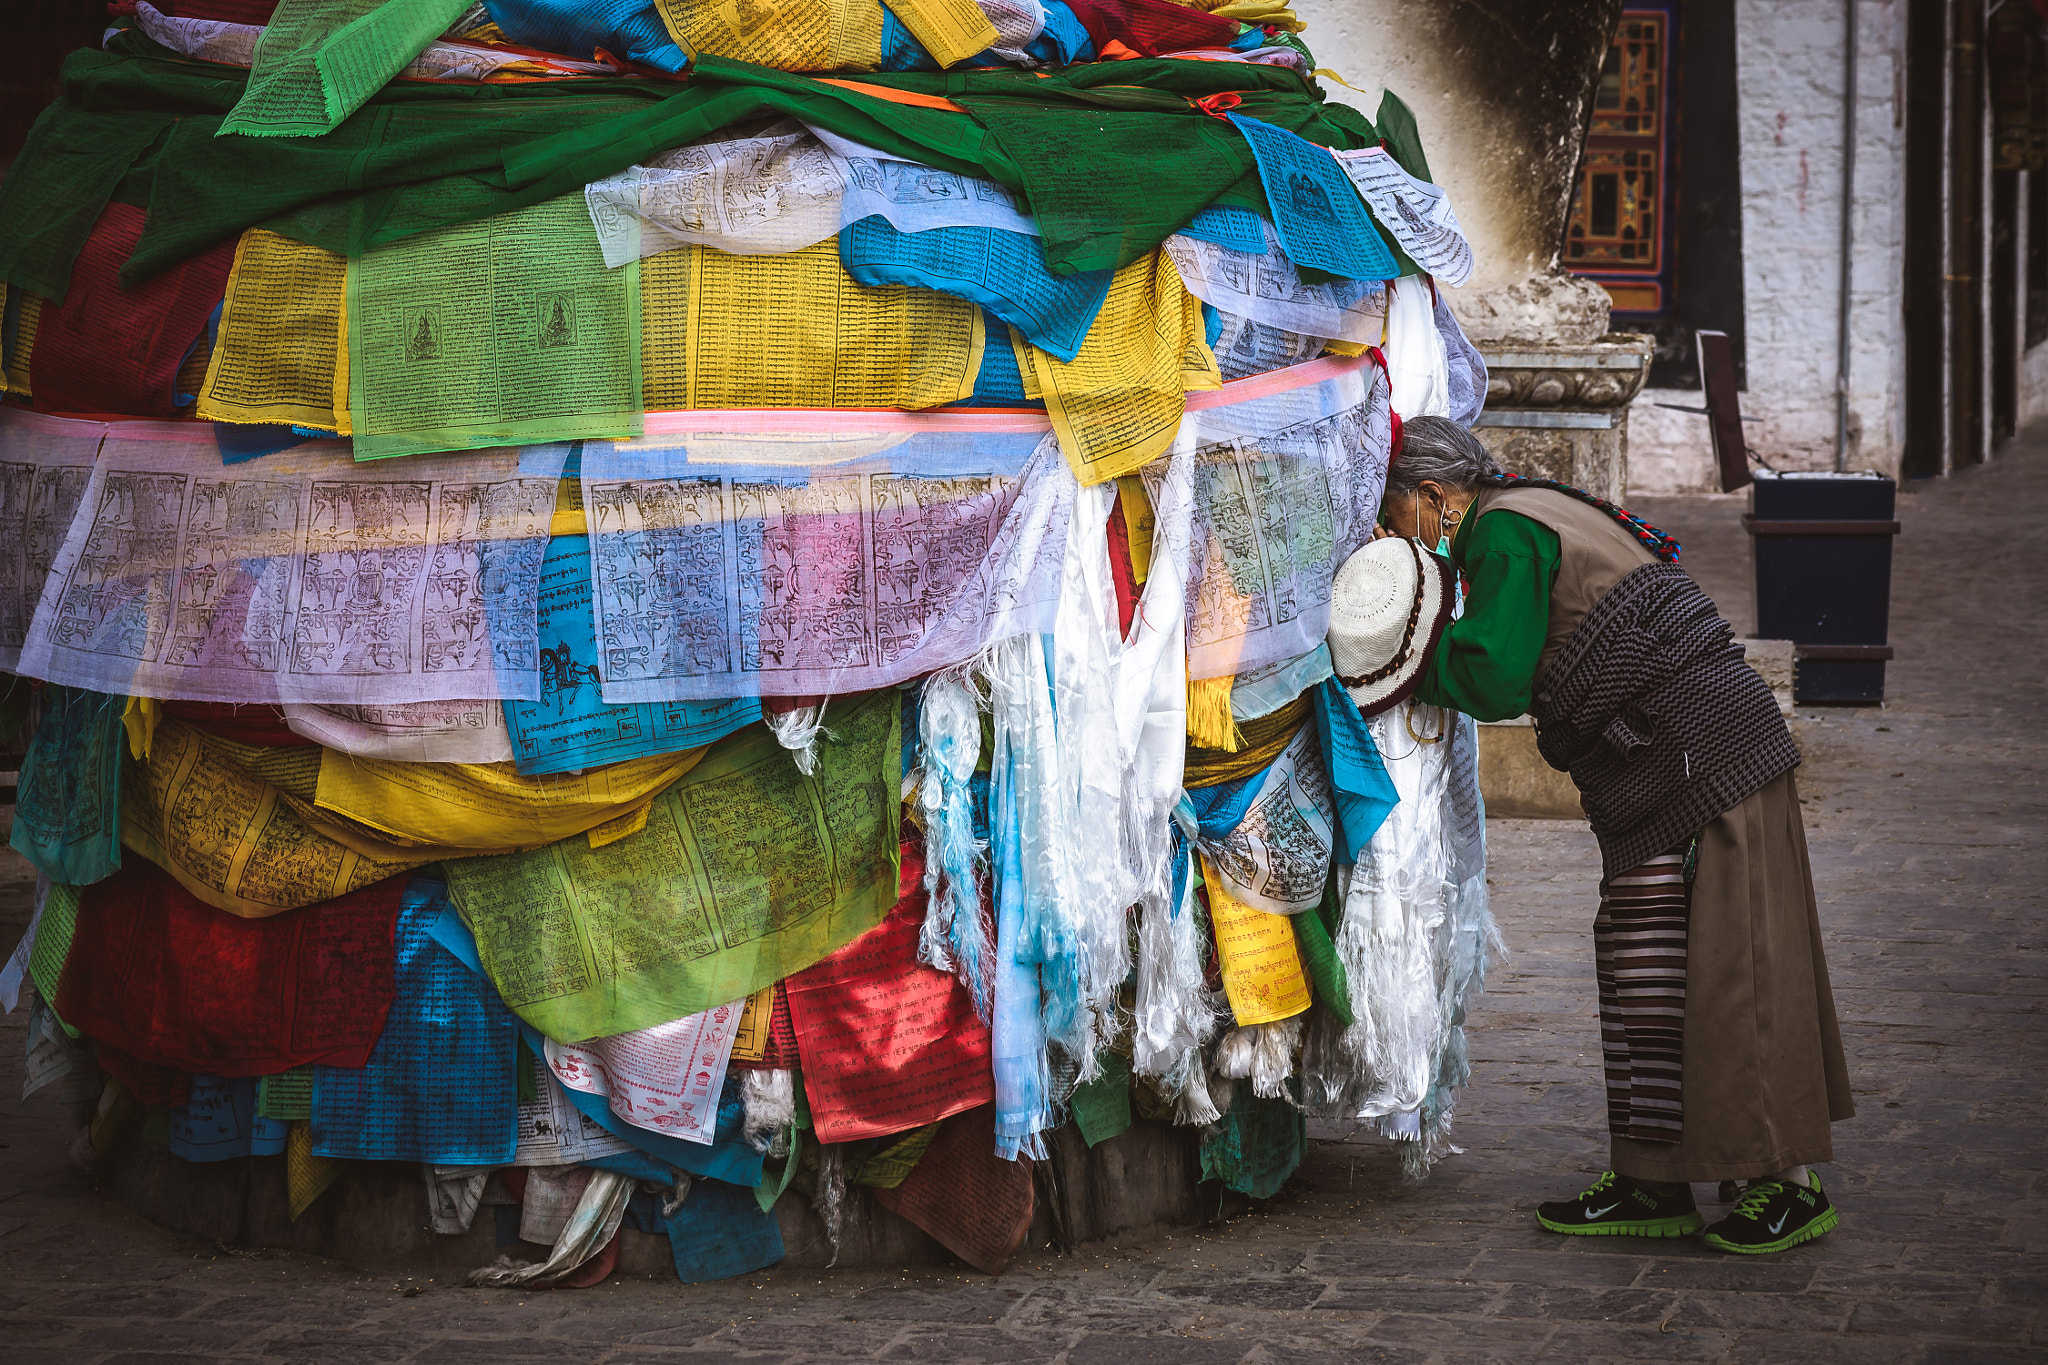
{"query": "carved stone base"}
{"type": "Point", "coordinates": [1561, 412]}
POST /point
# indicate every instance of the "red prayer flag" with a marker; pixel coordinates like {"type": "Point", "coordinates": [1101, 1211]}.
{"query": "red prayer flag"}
{"type": "Point", "coordinates": [164, 977]}
{"type": "Point", "coordinates": [976, 1204]}
{"type": "Point", "coordinates": [887, 1043]}
{"type": "Point", "coordinates": [1152, 27]}
{"type": "Point", "coordinates": [249, 723]}
{"type": "Point", "coordinates": [226, 11]}
{"type": "Point", "coordinates": [146, 1083]}
{"type": "Point", "coordinates": [106, 349]}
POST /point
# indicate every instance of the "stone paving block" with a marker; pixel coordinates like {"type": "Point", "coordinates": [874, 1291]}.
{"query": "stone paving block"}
{"type": "Point", "coordinates": [969, 1303]}
{"type": "Point", "coordinates": [1932, 1285]}
{"type": "Point", "coordinates": [1558, 1267]}
{"type": "Point", "coordinates": [1569, 1303]}
{"type": "Point", "coordinates": [803, 1332]}
{"type": "Point", "coordinates": [640, 1355]}
{"type": "Point", "coordinates": [464, 1350]}
{"type": "Point", "coordinates": [616, 1322]}
{"type": "Point", "coordinates": [977, 1346]}
{"type": "Point", "coordinates": [1971, 1322]}
{"type": "Point", "coordinates": [1634, 1344]}
{"type": "Point", "coordinates": [1789, 1273]}
{"type": "Point", "coordinates": [1103, 1348]}
{"type": "Point", "coordinates": [1407, 1296]}
{"type": "Point", "coordinates": [1781, 1347]}
{"type": "Point", "coordinates": [342, 1347]}
{"type": "Point", "coordinates": [1253, 1293]}
{"type": "Point", "coordinates": [217, 1338]}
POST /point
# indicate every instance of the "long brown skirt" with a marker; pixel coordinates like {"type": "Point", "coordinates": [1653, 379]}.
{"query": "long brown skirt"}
{"type": "Point", "coordinates": [1764, 1074]}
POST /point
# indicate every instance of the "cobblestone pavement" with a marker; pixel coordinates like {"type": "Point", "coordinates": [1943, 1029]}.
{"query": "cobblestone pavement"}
{"type": "Point", "coordinates": [1926, 821]}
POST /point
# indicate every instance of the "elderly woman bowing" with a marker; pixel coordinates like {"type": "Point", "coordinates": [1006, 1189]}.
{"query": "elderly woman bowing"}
{"type": "Point", "coordinates": [1723, 1058]}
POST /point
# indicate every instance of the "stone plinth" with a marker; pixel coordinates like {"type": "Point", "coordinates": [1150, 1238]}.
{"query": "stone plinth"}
{"type": "Point", "coordinates": [1140, 1183]}
{"type": "Point", "coordinates": [1560, 411]}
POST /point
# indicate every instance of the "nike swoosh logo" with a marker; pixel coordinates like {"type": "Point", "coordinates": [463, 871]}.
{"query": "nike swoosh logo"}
{"type": "Point", "coordinates": [1591, 1214]}
{"type": "Point", "coordinates": [1779, 1226]}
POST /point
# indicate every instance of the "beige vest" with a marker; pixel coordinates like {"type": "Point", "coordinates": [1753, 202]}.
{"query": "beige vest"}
{"type": "Point", "coordinates": [1595, 554]}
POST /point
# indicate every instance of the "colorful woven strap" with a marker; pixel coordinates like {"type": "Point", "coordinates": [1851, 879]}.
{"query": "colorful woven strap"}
{"type": "Point", "coordinates": [1655, 541]}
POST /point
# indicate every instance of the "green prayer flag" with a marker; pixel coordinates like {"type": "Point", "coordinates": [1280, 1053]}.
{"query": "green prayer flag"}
{"type": "Point", "coordinates": [439, 153]}
{"type": "Point", "coordinates": [53, 944]}
{"type": "Point", "coordinates": [892, 1165]}
{"type": "Point", "coordinates": [508, 331]}
{"type": "Point", "coordinates": [286, 1095]}
{"type": "Point", "coordinates": [1312, 935]}
{"type": "Point", "coordinates": [318, 61]}
{"type": "Point", "coordinates": [748, 870]}
{"type": "Point", "coordinates": [1102, 1107]}
{"type": "Point", "coordinates": [1255, 1146]}
{"type": "Point", "coordinates": [525, 1071]}
{"type": "Point", "coordinates": [1404, 139]}
{"type": "Point", "coordinates": [774, 1182]}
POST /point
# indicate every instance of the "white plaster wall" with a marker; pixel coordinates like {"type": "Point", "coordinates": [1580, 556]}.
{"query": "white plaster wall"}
{"type": "Point", "coordinates": [1789, 74]}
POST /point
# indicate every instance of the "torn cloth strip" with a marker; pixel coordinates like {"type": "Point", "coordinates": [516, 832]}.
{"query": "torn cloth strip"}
{"type": "Point", "coordinates": [164, 976]}
{"type": "Point", "coordinates": [438, 1086]}
{"type": "Point", "coordinates": [887, 1043]}
{"type": "Point", "coordinates": [1639, 947]}
{"type": "Point", "coordinates": [152, 327]}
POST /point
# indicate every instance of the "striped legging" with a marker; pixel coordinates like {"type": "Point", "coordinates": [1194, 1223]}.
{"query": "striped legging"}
{"type": "Point", "coordinates": [1639, 948]}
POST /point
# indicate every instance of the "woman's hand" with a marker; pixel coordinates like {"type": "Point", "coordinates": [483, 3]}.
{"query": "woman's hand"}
{"type": "Point", "coordinates": [1380, 532]}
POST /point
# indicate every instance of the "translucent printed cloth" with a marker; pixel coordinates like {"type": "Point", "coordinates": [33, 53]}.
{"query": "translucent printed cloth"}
{"type": "Point", "coordinates": [300, 577]}
{"type": "Point", "coordinates": [796, 552]}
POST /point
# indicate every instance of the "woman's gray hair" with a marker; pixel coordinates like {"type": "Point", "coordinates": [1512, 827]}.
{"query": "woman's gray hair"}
{"type": "Point", "coordinates": [1438, 449]}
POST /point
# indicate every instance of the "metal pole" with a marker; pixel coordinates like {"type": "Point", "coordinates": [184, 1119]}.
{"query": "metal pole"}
{"type": "Point", "coordinates": [1848, 233]}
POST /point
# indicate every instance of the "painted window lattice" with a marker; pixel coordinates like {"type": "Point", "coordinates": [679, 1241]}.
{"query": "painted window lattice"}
{"type": "Point", "coordinates": [1617, 232]}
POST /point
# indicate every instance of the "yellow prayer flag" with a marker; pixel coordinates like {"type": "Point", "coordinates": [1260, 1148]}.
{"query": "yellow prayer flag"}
{"type": "Point", "coordinates": [14, 376]}
{"type": "Point", "coordinates": [951, 30]}
{"type": "Point", "coordinates": [489, 807]}
{"type": "Point", "coordinates": [796, 331]}
{"type": "Point", "coordinates": [1118, 403]}
{"type": "Point", "coordinates": [788, 35]}
{"type": "Point", "coordinates": [1136, 503]}
{"type": "Point", "coordinates": [1263, 974]}
{"type": "Point", "coordinates": [229, 837]}
{"type": "Point", "coordinates": [1027, 375]}
{"type": "Point", "coordinates": [750, 1041]}
{"type": "Point", "coordinates": [306, 1176]}
{"type": "Point", "coordinates": [282, 355]}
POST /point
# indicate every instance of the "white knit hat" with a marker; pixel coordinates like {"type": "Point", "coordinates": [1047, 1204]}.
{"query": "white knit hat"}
{"type": "Point", "coordinates": [1388, 605]}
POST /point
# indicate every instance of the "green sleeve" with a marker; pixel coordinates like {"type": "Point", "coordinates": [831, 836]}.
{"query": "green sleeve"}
{"type": "Point", "coordinates": [1485, 664]}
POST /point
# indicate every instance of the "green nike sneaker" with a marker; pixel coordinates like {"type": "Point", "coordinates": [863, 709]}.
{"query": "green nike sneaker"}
{"type": "Point", "coordinates": [1773, 1215]}
{"type": "Point", "coordinates": [1617, 1206]}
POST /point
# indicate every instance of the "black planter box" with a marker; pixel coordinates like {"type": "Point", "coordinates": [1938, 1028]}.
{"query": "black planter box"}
{"type": "Point", "coordinates": [1823, 550]}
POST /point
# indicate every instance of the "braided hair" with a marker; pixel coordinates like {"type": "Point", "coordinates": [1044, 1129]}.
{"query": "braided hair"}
{"type": "Point", "coordinates": [1438, 450]}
